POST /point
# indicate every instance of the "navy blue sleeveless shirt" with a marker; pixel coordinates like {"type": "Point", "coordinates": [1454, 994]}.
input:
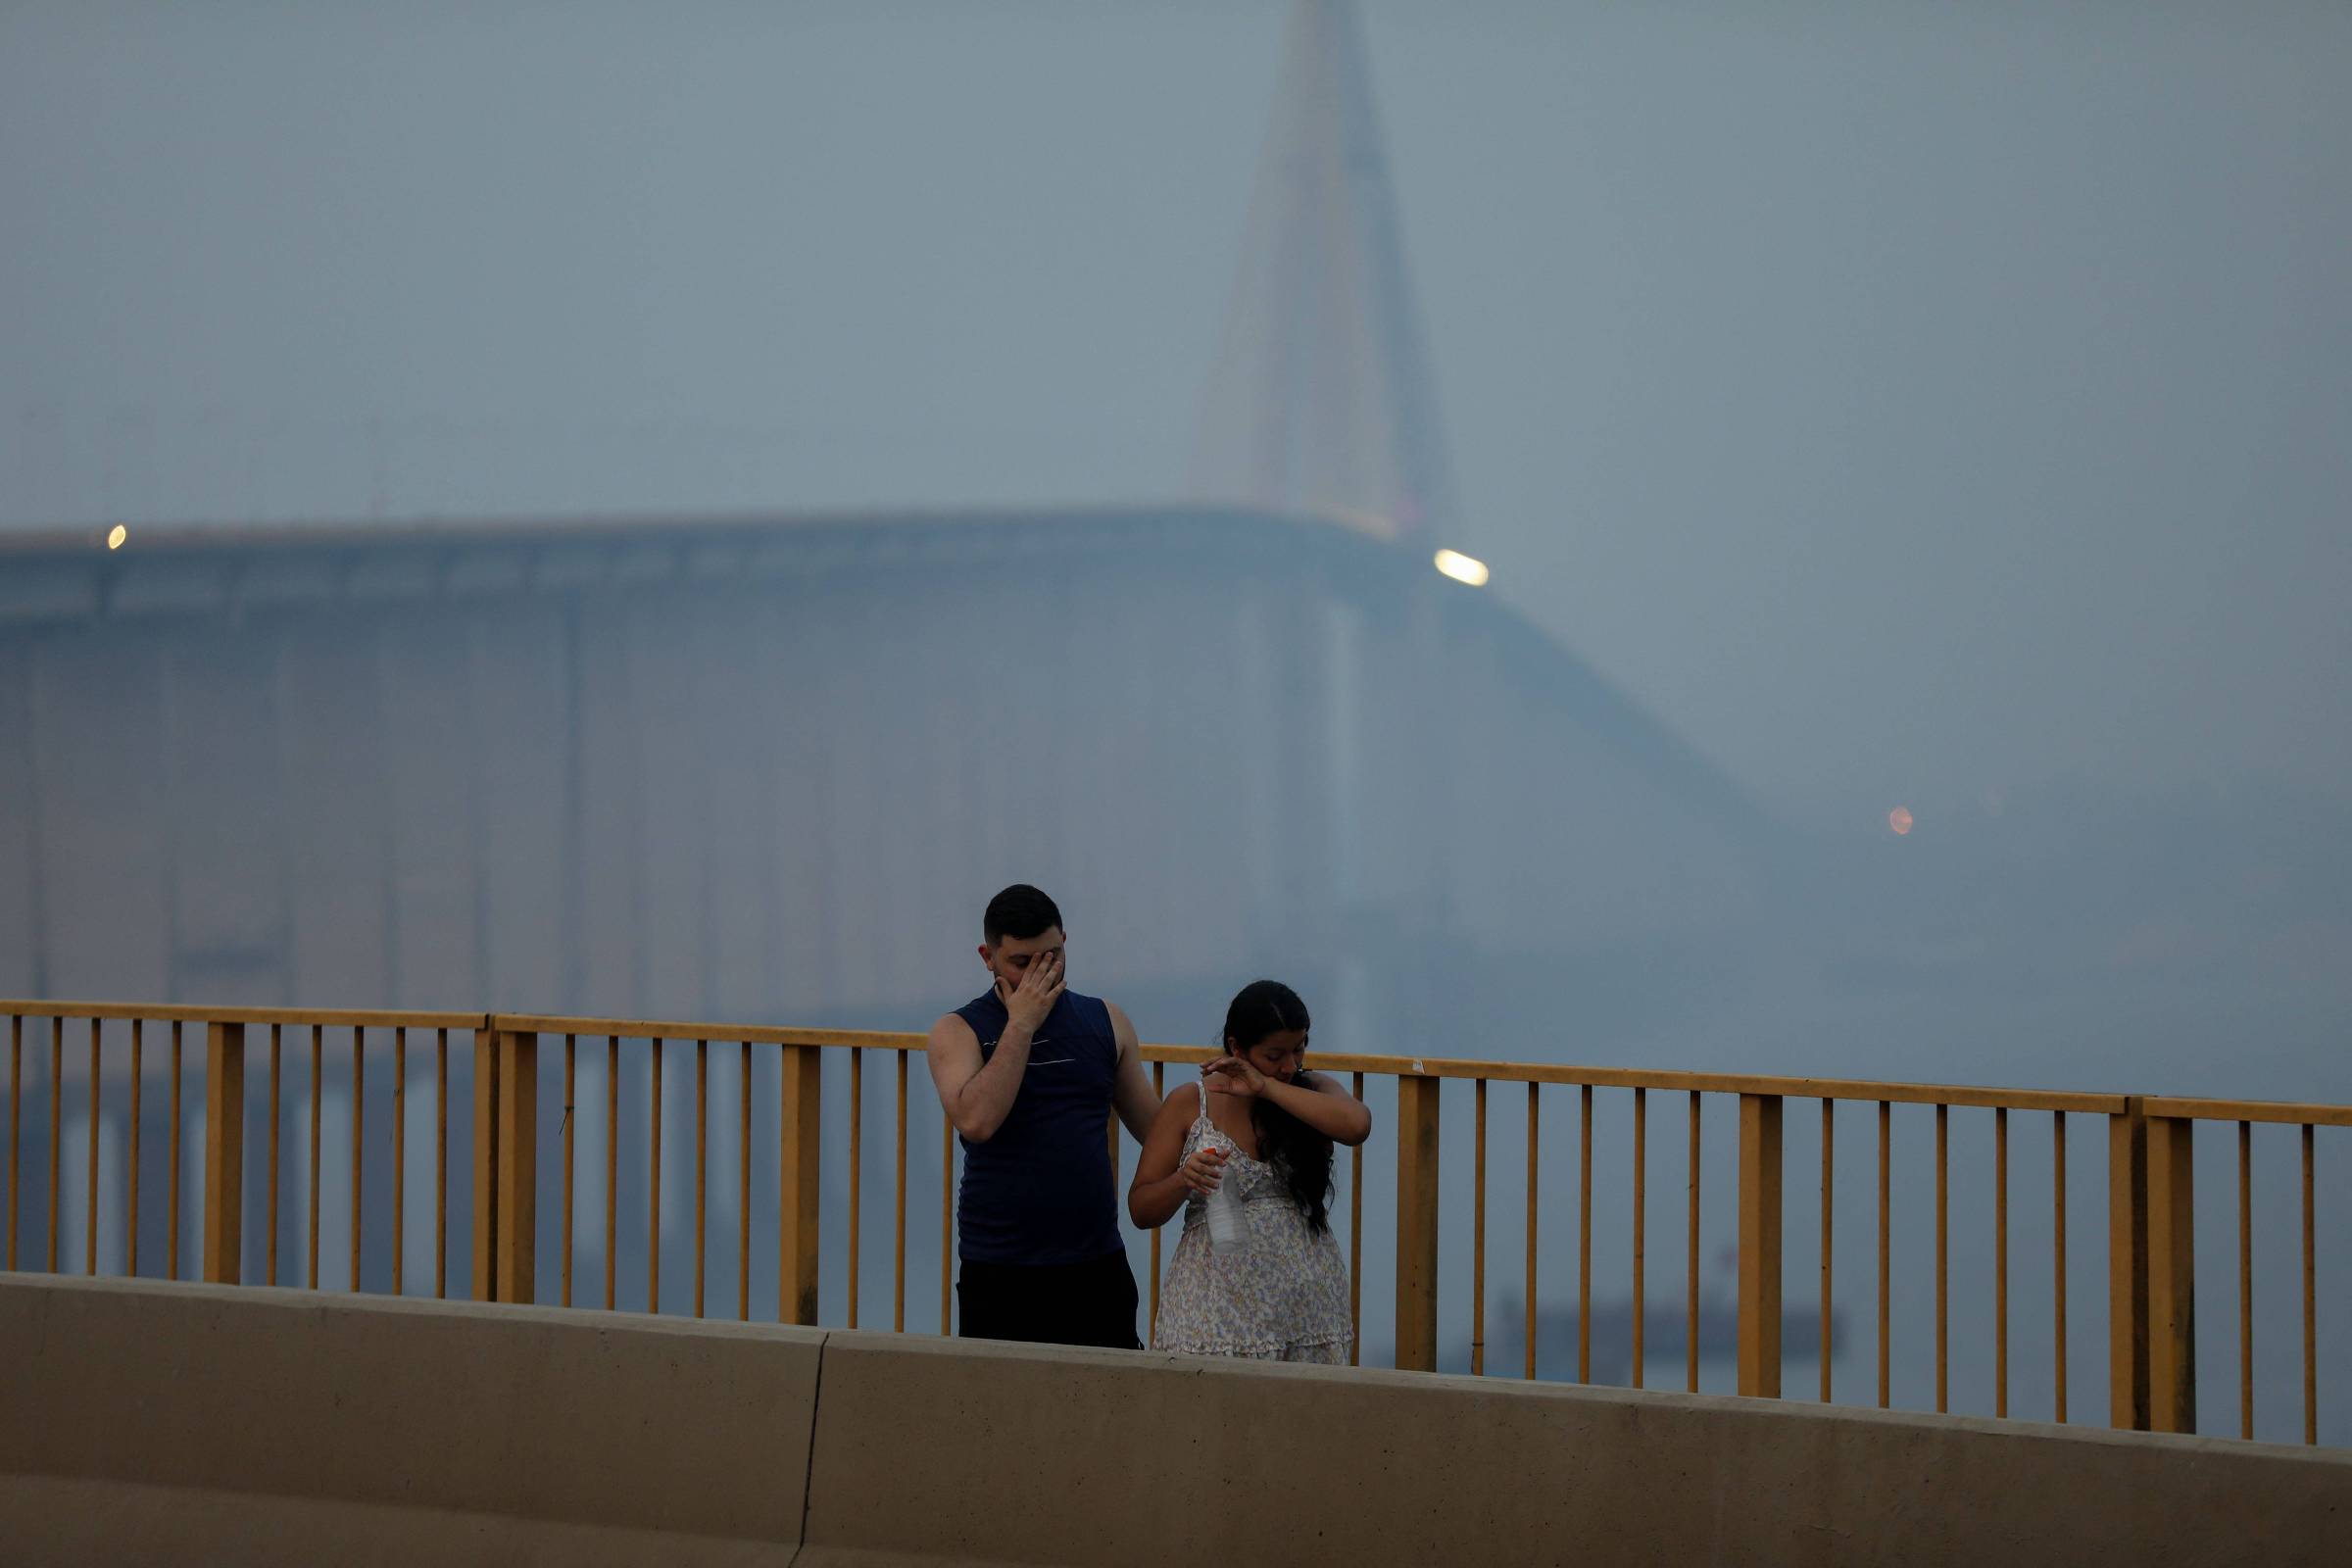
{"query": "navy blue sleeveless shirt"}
{"type": "Point", "coordinates": [1039, 1190]}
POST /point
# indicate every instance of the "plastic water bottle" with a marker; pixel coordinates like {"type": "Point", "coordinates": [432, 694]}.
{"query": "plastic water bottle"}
{"type": "Point", "coordinates": [1228, 1232]}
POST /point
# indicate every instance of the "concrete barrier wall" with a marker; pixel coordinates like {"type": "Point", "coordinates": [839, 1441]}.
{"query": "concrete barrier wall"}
{"type": "Point", "coordinates": [360, 1427]}
{"type": "Point", "coordinates": [1094, 1456]}
{"type": "Point", "coordinates": [177, 1423]}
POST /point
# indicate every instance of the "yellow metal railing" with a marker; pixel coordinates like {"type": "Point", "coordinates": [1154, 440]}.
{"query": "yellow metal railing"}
{"type": "Point", "coordinates": [2150, 1188]}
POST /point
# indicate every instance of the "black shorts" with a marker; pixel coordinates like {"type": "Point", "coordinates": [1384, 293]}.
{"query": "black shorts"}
{"type": "Point", "coordinates": [1059, 1303]}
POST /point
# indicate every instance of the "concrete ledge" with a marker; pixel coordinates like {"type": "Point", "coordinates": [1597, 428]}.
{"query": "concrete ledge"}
{"type": "Point", "coordinates": [932, 1449]}
{"type": "Point", "coordinates": [49, 1520]}
{"type": "Point", "coordinates": [582, 1418]}
{"type": "Point", "coordinates": [153, 1422]}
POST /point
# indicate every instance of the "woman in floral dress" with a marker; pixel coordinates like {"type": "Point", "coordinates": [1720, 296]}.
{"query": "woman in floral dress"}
{"type": "Point", "coordinates": [1260, 1120]}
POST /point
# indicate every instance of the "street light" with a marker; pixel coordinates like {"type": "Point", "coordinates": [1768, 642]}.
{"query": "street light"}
{"type": "Point", "coordinates": [1462, 568]}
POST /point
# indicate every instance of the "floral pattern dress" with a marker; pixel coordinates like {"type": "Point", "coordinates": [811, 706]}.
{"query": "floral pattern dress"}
{"type": "Point", "coordinates": [1281, 1298]}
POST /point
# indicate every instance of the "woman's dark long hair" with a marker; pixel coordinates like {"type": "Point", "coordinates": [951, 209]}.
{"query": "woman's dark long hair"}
{"type": "Point", "coordinates": [1300, 1155]}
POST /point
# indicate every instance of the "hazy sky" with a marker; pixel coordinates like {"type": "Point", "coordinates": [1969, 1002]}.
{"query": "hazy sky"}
{"type": "Point", "coordinates": [1908, 402]}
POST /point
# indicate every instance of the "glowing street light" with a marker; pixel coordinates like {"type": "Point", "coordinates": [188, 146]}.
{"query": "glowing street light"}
{"type": "Point", "coordinates": [114, 540]}
{"type": "Point", "coordinates": [1462, 568]}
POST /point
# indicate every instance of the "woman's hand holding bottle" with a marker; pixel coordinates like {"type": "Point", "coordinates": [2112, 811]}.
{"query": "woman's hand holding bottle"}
{"type": "Point", "coordinates": [1202, 1169]}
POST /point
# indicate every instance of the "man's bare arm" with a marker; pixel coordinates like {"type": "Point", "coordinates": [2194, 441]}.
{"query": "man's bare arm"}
{"type": "Point", "coordinates": [975, 1097]}
{"type": "Point", "coordinates": [1131, 1094]}
{"type": "Point", "coordinates": [978, 1098]}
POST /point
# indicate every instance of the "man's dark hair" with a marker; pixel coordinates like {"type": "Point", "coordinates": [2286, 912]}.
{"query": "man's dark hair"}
{"type": "Point", "coordinates": [1020, 911]}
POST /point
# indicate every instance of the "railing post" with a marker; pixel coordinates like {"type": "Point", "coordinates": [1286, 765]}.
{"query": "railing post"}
{"type": "Point", "coordinates": [2172, 1275]}
{"type": "Point", "coordinates": [517, 1165]}
{"type": "Point", "coordinates": [485, 1165]}
{"type": "Point", "coordinates": [223, 1154]}
{"type": "Point", "coordinates": [797, 1193]}
{"type": "Point", "coordinates": [1418, 1222]}
{"type": "Point", "coordinates": [2128, 1268]}
{"type": "Point", "coordinates": [1760, 1246]}
{"type": "Point", "coordinates": [505, 1146]}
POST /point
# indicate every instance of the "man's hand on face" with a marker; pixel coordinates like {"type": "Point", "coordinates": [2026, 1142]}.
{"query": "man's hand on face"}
{"type": "Point", "coordinates": [1028, 1002]}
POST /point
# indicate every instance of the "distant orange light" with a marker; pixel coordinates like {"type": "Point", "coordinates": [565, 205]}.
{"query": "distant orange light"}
{"type": "Point", "coordinates": [1899, 819]}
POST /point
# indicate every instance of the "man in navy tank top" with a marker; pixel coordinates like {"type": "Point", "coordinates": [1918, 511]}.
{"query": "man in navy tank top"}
{"type": "Point", "coordinates": [1030, 1074]}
